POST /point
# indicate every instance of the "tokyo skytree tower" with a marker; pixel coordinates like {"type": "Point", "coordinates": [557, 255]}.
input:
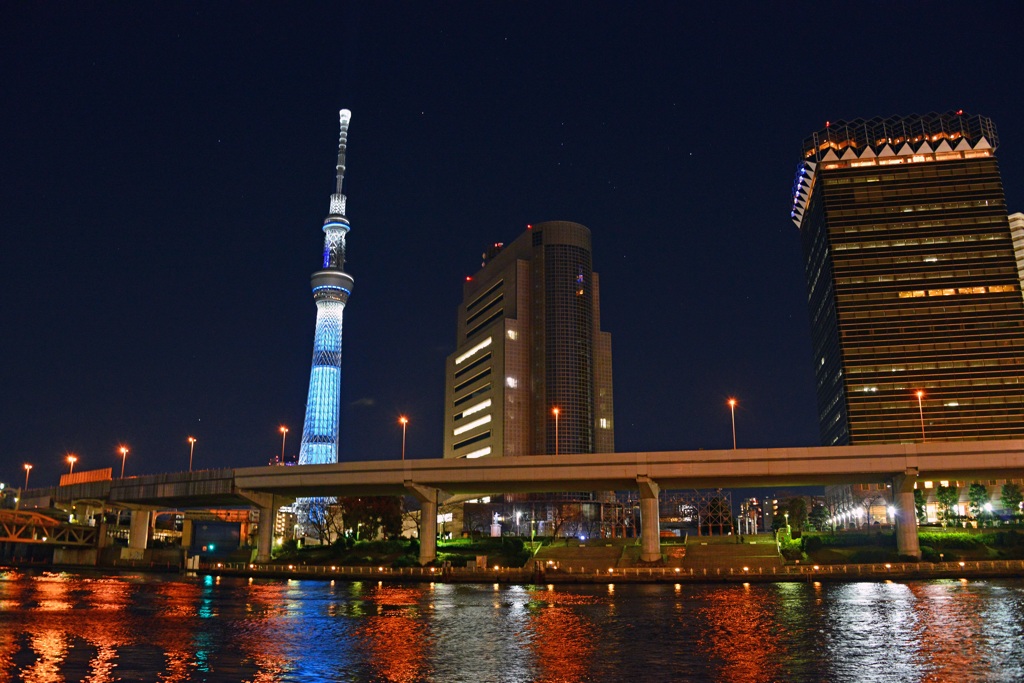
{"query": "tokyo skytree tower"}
{"type": "Point", "coordinates": [331, 289]}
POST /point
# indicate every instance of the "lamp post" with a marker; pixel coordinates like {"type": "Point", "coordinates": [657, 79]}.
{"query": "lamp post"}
{"type": "Point", "coordinates": [72, 459]}
{"type": "Point", "coordinates": [284, 435]}
{"type": "Point", "coordinates": [920, 409]}
{"type": "Point", "coordinates": [556, 412]}
{"type": "Point", "coordinates": [123, 450]}
{"type": "Point", "coordinates": [404, 421]}
{"type": "Point", "coordinates": [732, 411]}
{"type": "Point", "coordinates": [28, 468]}
{"type": "Point", "coordinates": [191, 450]}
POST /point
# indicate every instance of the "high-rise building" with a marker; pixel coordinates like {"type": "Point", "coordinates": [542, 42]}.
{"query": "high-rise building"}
{"type": "Point", "coordinates": [915, 303]}
{"type": "Point", "coordinates": [530, 343]}
{"type": "Point", "coordinates": [331, 289]}
{"type": "Point", "coordinates": [1017, 233]}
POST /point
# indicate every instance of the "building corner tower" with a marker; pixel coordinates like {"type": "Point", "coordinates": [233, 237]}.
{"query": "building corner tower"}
{"type": "Point", "coordinates": [331, 289]}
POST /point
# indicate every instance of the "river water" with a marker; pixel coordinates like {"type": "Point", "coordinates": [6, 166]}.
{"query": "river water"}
{"type": "Point", "coordinates": [95, 627]}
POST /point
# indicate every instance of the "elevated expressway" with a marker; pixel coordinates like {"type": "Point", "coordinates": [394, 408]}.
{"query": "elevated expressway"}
{"type": "Point", "coordinates": [436, 481]}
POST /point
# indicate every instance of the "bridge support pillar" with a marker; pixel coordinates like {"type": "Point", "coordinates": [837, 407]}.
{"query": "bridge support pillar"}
{"type": "Point", "coordinates": [906, 514]}
{"type": "Point", "coordinates": [429, 499]}
{"type": "Point", "coordinates": [138, 531]}
{"type": "Point", "coordinates": [268, 515]}
{"type": "Point", "coordinates": [650, 522]}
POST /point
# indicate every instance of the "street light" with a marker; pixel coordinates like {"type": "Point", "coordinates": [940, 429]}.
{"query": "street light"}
{"type": "Point", "coordinates": [123, 450]}
{"type": "Point", "coordinates": [732, 411]}
{"type": "Point", "coordinates": [191, 450]}
{"type": "Point", "coordinates": [72, 459]}
{"type": "Point", "coordinates": [556, 412]}
{"type": "Point", "coordinates": [920, 408]}
{"type": "Point", "coordinates": [404, 421]}
{"type": "Point", "coordinates": [28, 468]}
{"type": "Point", "coordinates": [284, 435]}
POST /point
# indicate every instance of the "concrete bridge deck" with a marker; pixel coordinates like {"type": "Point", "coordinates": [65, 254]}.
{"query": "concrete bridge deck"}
{"type": "Point", "coordinates": [435, 481]}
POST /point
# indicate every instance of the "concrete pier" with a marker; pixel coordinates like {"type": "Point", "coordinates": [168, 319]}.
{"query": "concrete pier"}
{"type": "Point", "coordinates": [906, 514]}
{"type": "Point", "coordinates": [650, 523]}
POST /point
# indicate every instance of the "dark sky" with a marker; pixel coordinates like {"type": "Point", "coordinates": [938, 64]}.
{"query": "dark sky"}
{"type": "Point", "coordinates": [165, 169]}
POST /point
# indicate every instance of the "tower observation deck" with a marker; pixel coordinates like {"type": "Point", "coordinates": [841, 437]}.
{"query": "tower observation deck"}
{"type": "Point", "coordinates": [331, 289]}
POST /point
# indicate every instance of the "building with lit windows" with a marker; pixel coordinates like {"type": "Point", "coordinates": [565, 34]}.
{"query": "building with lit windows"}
{"type": "Point", "coordinates": [1017, 233]}
{"type": "Point", "coordinates": [912, 281]}
{"type": "Point", "coordinates": [529, 342]}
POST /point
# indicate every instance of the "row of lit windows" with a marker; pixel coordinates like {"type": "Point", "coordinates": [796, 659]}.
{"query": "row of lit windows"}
{"type": "Point", "coordinates": [473, 424]}
{"type": "Point", "coordinates": [918, 225]}
{"type": "Point", "coordinates": [959, 290]}
{"type": "Point", "coordinates": [472, 440]}
{"type": "Point", "coordinates": [914, 208]}
{"type": "Point", "coordinates": [918, 242]}
{"type": "Point", "coordinates": [476, 349]}
{"type": "Point", "coordinates": [904, 261]}
{"type": "Point", "coordinates": [475, 364]}
{"type": "Point", "coordinates": [945, 312]}
{"type": "Point", "coordinates": [917, 274]}
{"type": "Point", "coordinates": [915, 159]}
{"type": "Point", "coordinates": [898, 193]}
{"type": "Point", "coordinates": [880, 295]}
{"type": "Point", "coordinates": [944, 365]}
{"type": "Point", "coordinates": [920, 172]}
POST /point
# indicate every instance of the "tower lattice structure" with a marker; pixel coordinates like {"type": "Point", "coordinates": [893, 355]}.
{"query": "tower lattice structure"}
{"type": "Point", "coordinates": [331, 289]}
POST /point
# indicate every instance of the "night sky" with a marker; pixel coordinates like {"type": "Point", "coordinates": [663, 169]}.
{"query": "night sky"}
{"type": "Point", "coordinates": [165, 169]}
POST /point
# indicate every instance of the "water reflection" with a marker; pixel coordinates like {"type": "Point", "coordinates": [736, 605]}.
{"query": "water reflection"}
{"type": "Point", "coordinates": [60, 627]}
{"type": "Point", "coordinates": [395, 637]}
{"type": "Point", "coordinates": [561, 638]}
{"type": "Point", "coordinates": [741, 633]}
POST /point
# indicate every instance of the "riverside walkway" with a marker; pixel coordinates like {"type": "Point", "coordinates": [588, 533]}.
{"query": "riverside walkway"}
{"type": "Point", "coordinates": [567, 574]}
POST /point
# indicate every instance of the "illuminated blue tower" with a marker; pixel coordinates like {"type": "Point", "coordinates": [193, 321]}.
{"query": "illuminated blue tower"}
{"type": "Point", "coordinates": [331, 289]}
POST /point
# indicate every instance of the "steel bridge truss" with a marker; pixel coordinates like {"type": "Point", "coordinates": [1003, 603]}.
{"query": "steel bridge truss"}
{"type": "Point", "coordinates": [19, 526]}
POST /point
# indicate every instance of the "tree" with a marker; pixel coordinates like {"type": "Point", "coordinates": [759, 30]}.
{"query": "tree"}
{"type": "Point", "coordinates": [320, 516]}
{"type": "Point", "coordinates": [818, 518]}
{"type": "Point", "coordinates": [371, 516]}
{"type": "Point", "coordinates": [1011, 498]}
{"type": "Point", "coordinates": [919, 506]}
{"type": "Point", "coordinates": [948, 497]}
{"type": "Point", "coordinates": [797, 509]}
{"type": "Point", "coordinates": [977, 495]}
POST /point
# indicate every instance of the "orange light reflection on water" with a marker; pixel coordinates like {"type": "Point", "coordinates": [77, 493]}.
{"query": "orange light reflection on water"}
{"type": "Point", "coordinates": [396, 640]}
{"type": "Point", "coordinates": [562, 641]}
{"type": "Point", "coordinates": [51, 648]}
{"type": "Point", "coordinates": [949, 625]}
{"type": "Point", "coordinates": [741, 634]}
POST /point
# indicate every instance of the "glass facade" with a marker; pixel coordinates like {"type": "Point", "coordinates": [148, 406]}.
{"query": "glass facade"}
{"type": "Point", "coordinates": [912, 282]}
{"type": "Point", "coordinates": [568, 348]}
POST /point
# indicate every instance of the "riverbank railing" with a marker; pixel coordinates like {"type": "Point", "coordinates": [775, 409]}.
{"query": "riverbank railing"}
{"type": "Point", "coordinates": [770, 572]}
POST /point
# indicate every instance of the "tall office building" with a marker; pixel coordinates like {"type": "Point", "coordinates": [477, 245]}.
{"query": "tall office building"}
{"type": "Point", "coordinates": [530, 341]}
{"type": "Point", "coordinates": [331, 289]}
{"type": "Point", "coordinates": [1017, 233]}
{"type": "Point", "coordinates": [912, 282]}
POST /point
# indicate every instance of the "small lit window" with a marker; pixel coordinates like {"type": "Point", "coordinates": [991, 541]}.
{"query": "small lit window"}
{"type": "Point", "coordinates": [604, 423]}
{"type": "Point", "coordinates": [512, 334]}
{"type": "Point", "coordinates": [927, 484]}
{"type": "Point", "coordinates": [511, 382]}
